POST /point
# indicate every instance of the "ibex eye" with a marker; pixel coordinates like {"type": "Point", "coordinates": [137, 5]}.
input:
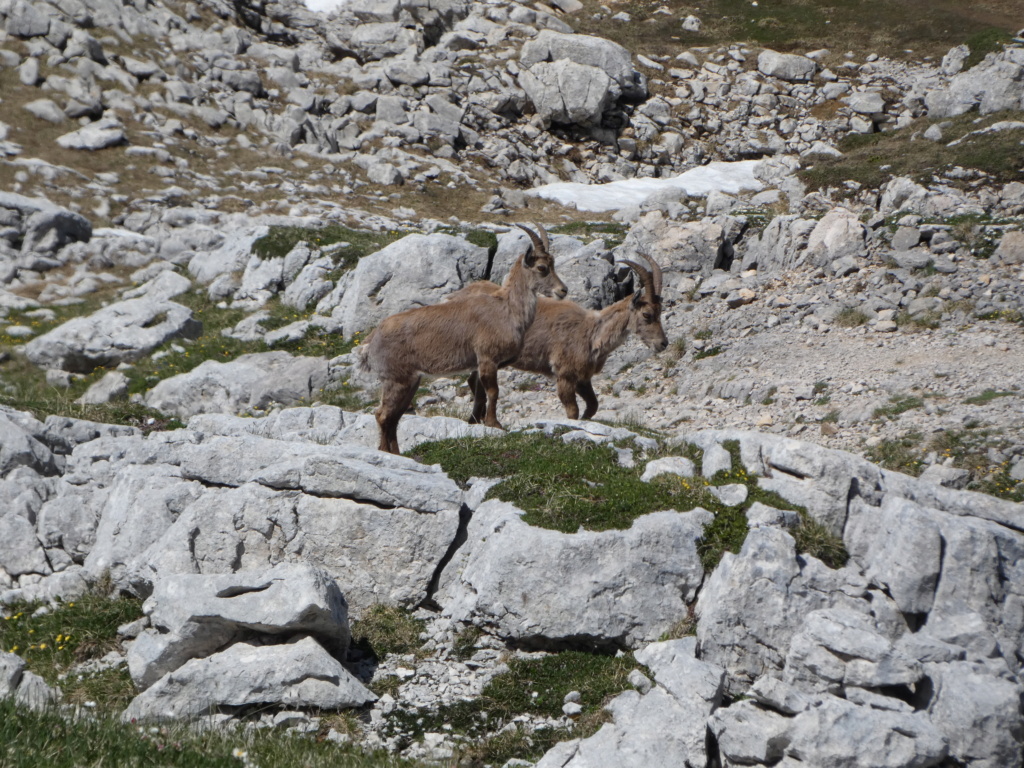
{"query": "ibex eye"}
{"type": "Point", "coordinates": [543, 270]}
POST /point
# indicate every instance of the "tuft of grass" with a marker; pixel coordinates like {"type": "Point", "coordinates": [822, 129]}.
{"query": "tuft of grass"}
{"type": "Point", "coordinates": [709, 352]}
{"type": "Point", "coordinates": [986, 41]}
{"type": "Point", "coordinates": [465, 641]}
{"type": "Point", "coordinates": [385, 629]}
{"type": "Point", "coordinates": [988, 396]}
{"type": "Point", "coordinates": [52, 738]}
{"type": "Point", "coordinates": [924, 321]}
{"type": "Point", "coordinates": [900, 454]}
{"type": "Point", "coordinates": [814, 539]}
{"type": "Point", "coordinates": [898, 404]}
{"type": "Point", "coordinates": [850, 317]}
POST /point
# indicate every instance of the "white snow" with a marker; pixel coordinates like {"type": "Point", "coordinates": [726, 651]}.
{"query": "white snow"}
{"type": "Point", "coordinates": [323, 6]}
{"type": "Point", "coordinates": [730, 178]}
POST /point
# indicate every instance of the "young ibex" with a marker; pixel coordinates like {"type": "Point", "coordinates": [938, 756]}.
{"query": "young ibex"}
{"type": "Point", "coordinates": [572, 344]}
{"type": "Point", "coordinates": [481, 332]}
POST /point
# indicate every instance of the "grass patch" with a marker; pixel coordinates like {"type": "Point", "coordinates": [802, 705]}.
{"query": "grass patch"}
{"type": "Point", "coordinates": [850, 317]}
{"type": "Point", "coordinates": [612, 232]}
{"type": "Point", "coordinates": [536, 686]}
{"type": "Point", "coordinates": [385, 629]}
{"type": "Point", "coordinates": [900, 455]}
{"type": "Point", "coordinates": [871, 159]}
{"type": "Point", "coordinates": [709, 352]}
{"type": "Point", "coordinates": [906, 30]}
{"type": "Point", "coordinates": [988, 396]}
{"type": "Point", "coordinates": [920, 322]}
{"type": "Point", "coordinates": [280, 240]}
{"type": "Point", "coordinates": [30, 739]}
{"type": "Point", "coordinates": [898, 404]}
{"type": "Point", "coordinates": [565, 487]}
{"type": "Point", "coordinates": [54, 640]}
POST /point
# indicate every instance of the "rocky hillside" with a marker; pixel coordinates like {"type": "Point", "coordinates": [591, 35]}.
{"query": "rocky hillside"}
{"type": "Point", "coordinates": [793, 541]}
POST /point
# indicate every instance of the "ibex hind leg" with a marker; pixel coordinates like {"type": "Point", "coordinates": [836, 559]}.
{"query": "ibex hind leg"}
{"type": "Point", "coordinates": [479, 399]}
{"type": "Point", "coordinates": [395, 399]}
{"type": "Point", "coordinates": [586, 390]}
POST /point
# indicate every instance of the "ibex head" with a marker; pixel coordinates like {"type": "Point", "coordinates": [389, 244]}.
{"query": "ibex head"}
{"type": "Point", "coordinates": [540, 264]}
{"type": "Point", "coordinates": [645, 309]}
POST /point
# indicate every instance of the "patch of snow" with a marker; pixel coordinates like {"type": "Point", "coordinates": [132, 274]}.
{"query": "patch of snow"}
{"type": "Point", "coordinates": [324, 6]}
{"type": "Point", "coordinates": [731, 178]}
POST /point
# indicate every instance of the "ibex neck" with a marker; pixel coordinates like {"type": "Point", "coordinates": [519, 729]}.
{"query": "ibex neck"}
{"type": "Point", "coordinates": [522, 299]}
{"type": "Point", "coordinates": [612, 328]}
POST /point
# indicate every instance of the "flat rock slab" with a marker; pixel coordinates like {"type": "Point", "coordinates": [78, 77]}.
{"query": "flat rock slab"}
{"type": "Point", "coordinates": [258, 381]}
{"type": "Point", "coordinates": [122, 332]}
{"type": "Point", "coordinates": [299, 674]}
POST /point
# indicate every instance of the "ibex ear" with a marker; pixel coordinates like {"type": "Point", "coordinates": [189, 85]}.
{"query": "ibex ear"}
{"type": "Point", "coordinates": [638, 298]}
{"type": "Point", "coordinates": [530, 257]}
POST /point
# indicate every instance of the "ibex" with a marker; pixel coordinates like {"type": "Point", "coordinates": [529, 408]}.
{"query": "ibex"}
{"type": "Point", "coordinates": [572, 344]}
{"type": "Point", "coordinates": [481, 332]}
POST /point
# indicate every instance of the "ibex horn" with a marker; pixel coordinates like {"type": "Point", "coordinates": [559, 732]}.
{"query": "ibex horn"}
{"type": "Point", "coordinates": [533, 237]}
{"type": "Point", "coordinates": [645, 276]}
{"type": "Point", "coordinates": [656, 272]}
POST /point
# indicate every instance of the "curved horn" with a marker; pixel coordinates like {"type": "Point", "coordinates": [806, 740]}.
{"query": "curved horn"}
{"type": "Point", "coordinates": [655, 271]}
{"type": "Point", "coordinates": [645, 276]}
{"type": "Point", "coordinates": [543, 236]}
{"type": "Point", "coordinates": [533, 236]}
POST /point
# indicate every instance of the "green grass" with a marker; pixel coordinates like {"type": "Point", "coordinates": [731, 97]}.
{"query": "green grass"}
{"type": "Point", "coordinates": [708, 352]}
{"type": "Point", "coordinates": [530, 686]}
{"type": "Point", "coordinates": [280, 240]}
{"type": "Point", "coordinates": [53, 739]}
{"type": "Point", "coordinates": [814, 539]}
{"type": "Point", "coordinates": [900, 455]}
{"type": "Point", "coordinates": [871, 159]}
{"type": "Point", "coordinates": [898, 404]}
{"type": "Point", "coordinates": [850, 317]}
{"type": "Point", "coordinates": [988, 396]}
{"type": "Point", "coordinates": [385, 629]}
{"type": "Point", "coordinates": [920, 322]}
{"type": "Point", "coordinates": [567, 486]}
{"type": "Point", "coordinates": [70, 633]}
{"type": "Point", "coordinates": [904, 30]}
{"type": "Point", "coordinates": [612, 232]}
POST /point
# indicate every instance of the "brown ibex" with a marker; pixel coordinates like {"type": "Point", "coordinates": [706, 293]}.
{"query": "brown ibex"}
{"type": "Point", "coordinates": [481, 332]}
{"type": "Point", "coordinates": [571, 343]}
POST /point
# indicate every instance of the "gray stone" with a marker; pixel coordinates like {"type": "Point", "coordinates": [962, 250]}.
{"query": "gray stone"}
{"type": "Point", "coordinates": [839, 733]}
{"type": "Point", "coordinates": [839, 234]}
{"type": "Point", "coordinates": [121, 332]}
{"type": "Point", "coordinates": [991, 86]}
{"type": "Point", "coordinates": [95, 136]}
{"type": "Point", "coordinates": [26, 20]}
{"type": "Point", "coordinates": [257, 381]}
{"type": "Point", "coordinates": [747, 734]}
{"type": "Point", "coordinates": [731, 495]}
{"type": "Point", "coordinates": [663, 728]}
{"type": "Point", "coordinates": [671, 465]}
{"type": "Point", "coordinates": [21, 444]}
{"type": "Point", "coordinates": [113, 386]}
{"type": "Point", "coordinates": [20, 550]}
{"type": "Point", "coordinates": [978, 713]}
{"type": "Point", "coordinates": [785, 66]}
{"type": "Point", "coordinates": [905, 238]}
{"type": "Point", "coordinates": [34, 693]}
{"type": "Point", "coordinates": [509, 562]}
{"type": "Point", "coordinates": [414, 271]}
{"type": "Point", "coordinates": [900, 549]}
{"type": "Point", "coordinates": [866, 102]}
{"type": "Point", "coordinates": [566, 93]}
{"type": "Point", "coordinates": [778, 695]}
{"type": "Point", "coordinates": [194, 615]}
{"type": "Point", "coordinates": [12, 668]}
{"type": "Point", "coordinates": [585, 50]}
{"type": "Point", "coordinates": [298, 674]}
{"type": "Point", "coordinates": [46, 109]}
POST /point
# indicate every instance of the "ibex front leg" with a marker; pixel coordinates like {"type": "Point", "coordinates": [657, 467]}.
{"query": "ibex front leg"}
{"type": "Point", "coordinates": [476, 387]}
{"type": "Point", "coordinates": [488, 372]}
{"type": "Point", "coordinates": [395, 399]}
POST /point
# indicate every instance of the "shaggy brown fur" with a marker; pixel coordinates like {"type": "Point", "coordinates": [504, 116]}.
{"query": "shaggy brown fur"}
{"type": "Point", "coordinates": [571, 343]}
{"type": "Point", "coordinates": [480, 332]}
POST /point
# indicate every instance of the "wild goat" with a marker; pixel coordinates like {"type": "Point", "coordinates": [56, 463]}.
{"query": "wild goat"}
{"type": "Point", "coordinates": [481, 332]}
{"type": "Point", "coordinates": [572, 344]}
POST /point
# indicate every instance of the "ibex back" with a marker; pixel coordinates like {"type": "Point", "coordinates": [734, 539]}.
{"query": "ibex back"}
{"type": "Point", "coordinates": [480, 333]}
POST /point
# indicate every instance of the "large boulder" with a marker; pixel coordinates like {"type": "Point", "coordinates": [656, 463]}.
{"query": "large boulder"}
{"type": "Point", "coordinates": [254, 382]}
{"type": "Point", "coordinates": [584, 50]}
{"type": "Point", "coordinates": [192, 616]}
{"type": "Point", "coordinates": [786, 66]}
{"type": "Point", "coordinates": [994, 85]}
{"type": "Point", "coordinates": [598, 589]}
{"type": "Point", "coordinates": [44, 227]}
{"type": "Point", "coordinates": [297, 674]}
{"type": "Point", "coordinates": [415, 271]}
{"type": "Point", "coordinates": [122, 332]}
{"type": "Point", "coordinates": [681, 248]}
{"type": "Point", "coordinates": [566, 93]}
